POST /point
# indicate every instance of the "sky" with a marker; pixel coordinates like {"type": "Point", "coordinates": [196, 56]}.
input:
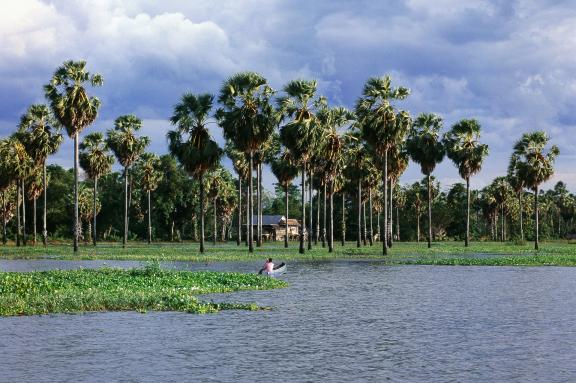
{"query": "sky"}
{"type": "Point", "coordinates": [508, 63]}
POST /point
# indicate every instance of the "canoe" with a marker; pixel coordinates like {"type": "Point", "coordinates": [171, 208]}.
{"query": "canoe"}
{"type": "Point", "coordinates": [278, 269]}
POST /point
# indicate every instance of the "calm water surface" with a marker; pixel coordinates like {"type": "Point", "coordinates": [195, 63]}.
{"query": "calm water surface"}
{"type": "Point", "coordinates": [337, 322]}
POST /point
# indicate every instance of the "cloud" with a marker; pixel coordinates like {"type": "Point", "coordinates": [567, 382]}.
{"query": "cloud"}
{"type": "Point", "coordinates": [507, 63]}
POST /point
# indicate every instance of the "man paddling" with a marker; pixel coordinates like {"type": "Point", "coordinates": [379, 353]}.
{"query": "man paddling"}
{"type": "Point", "coordinates": [268, 267]}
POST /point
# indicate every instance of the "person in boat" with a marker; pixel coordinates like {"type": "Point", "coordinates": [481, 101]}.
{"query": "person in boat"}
{"type": "Point", "coordinates": [268, 266]}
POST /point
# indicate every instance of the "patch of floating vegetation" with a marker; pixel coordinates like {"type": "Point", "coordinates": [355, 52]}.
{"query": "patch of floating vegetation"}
{"type": "Point", "coordinates": [147, 289]}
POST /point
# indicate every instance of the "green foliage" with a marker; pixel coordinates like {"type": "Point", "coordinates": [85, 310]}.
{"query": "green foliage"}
{"type": "Point", "coordinates": [150, 288]}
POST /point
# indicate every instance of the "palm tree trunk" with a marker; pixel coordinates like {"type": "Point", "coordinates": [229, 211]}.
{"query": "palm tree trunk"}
{"type": "Point", "coordinates": [95, 195]}
{"type": "Point", "coordinates": [303, 223]}
{"type": "Point", "coordinates": [467, 239]}
{"type": "Point", "coordinates": [318, 201]}
{"type": "Point", "coordinates": [286, 215]}
{"type": "Point", "coordinates": [202, 213]}
{"type": "Point", "coordinates": [259, 208]}
{"type": "Point", "coordinates": [23, 214]}
{"type": "Point", "coordinates": [239, 237]}
{"type": "Point", "coordinates": [149, 219]}
{"type": "Point", "coordinates": [4, 239]}
{"type": "Point", "coordinates": [18, 210]}
{"type": "Point", "coordinates": [384, 237]}
{"type": "Point", "coordinates": [34, 222]}
{"type": "Point", "coordinates": [429, 211]}
{"type": "Point", "coordinates": [536, 218]}
{"type": "Point", "coordinates": [215, 223]}
{"type": "Point", "coordinates": [76, 221]}
{"type": "Point", "coordinates": [371, 234]}
{"type": "Point", "coordinates": [359, 239]}
{"type": "Point", "coordinates": [521, 218]}
{"type": "Point", "coordinates": [45, 188]}
{"type": "Point", "coordinates": [502, 223]}
{"type": "Point", "coordinates": [364, 232]}
{"type": "Point", "coordinates": [324, 216]}
{"type": "Point", "coordinates": [397, 223]}
{"type": "Point", "coordinates": [390, 215]}
{"type": "Point", "coordinates": [248, 218]}
{"type": "Point", "coordinates": [331, 219]}
{"type": "Point", "coordinates": [378, 225]}
{"type": "Point", "coordinates": [125, 238]}
{"type": "Point", "coordinates": [418, 224]}
{"type": "Point", "coordinates": [311, 209]}
{"type": "Point", "coordinates": [343, 223]}
{"type": "Point", "coordinates": [250, 222]}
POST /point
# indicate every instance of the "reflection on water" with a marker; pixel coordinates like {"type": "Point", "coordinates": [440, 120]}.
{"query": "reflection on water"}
{"type": "Point", "coordinates": [338, 321]}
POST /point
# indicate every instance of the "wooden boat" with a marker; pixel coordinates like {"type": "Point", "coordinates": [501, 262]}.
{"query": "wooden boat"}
{"type": "Point", "coordinates": [278, 269]}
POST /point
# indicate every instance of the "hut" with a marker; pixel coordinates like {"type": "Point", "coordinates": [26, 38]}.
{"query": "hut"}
{"type": "Point", "coordinates": [275, 227]}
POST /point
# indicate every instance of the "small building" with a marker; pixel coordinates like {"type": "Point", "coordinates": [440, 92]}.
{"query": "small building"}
{"type": "Point", "coordinates": [275, 227]}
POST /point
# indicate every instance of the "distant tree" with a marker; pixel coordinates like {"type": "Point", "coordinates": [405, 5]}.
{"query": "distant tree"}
{"type": "Point", "coordinates": [96, 161]}
{"type": "Point", "coordinates": [150, 174]}
{"type": "Point", "coordinates": [127, 148]}
{"type": "Point", "coordinates": [383, 127]}
{"type": "Point", "coordinates": [74, 109]}
{"type": "Point", "coordinates": [285, 171]}
{"type": "Point", "coordinates": [42, 138]}
{"type": "Point", "coordinates": [427, 150]}
{"type": "Point", "coordinates": [463, 147]}
{"type": "Point", "coordinates": [247, 118]}
{"type": "Point", "coordinates": [192, 144]}
{"type": "Point", "coordinates": [534, 165]}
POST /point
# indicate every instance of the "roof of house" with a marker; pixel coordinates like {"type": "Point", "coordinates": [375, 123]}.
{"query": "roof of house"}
{"type": "Point", "coordinates": [274, 220]}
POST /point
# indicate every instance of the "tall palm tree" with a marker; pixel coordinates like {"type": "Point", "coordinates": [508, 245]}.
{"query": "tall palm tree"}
{"type": "Point", "coordinates": [463, 147]}
{"type": "Point", "coordinates": [331, 120]}
{"type": "Point", "coordinates": [501, 191]}
{"type": "Point", "coordinates": [382, 126]}
{"type": "Point", "coordinates": [42, 138]}
{"type": "Point", "coordinates": [518, 186]}
{"type": "Point", "coordinates": [427, 150]}
{"type": "Point", "coordinates": [397, 164]}
{"type": "Point", "coordinates": [127, 148]}
{"type": "Point", "coordinates": [192, 144]}
{"type": "Point", "coordinates": [34, 188]}
{"type": "Point", "coordinates": [13, 157]}
{"type": "Point", "coordinates": [301, 133]}
{"type": "Point", "coordinates": [96, 161]}
{"type": "Point", "coordinates": [534, 165]}
{"type": "Point", "coordinates": [74, 109]}
{"type": "Point", "coordinates": [18, 166]}
{"type": "Point", "coordinates": [247, 118]}
{"type": "Point", "coordinates": [216, 184]}
{"type": "Point", "coordinates": [150, 175]}
{"type": "Point", "coordinates": [285, 170]}
{"type": "Point", "coordinates": [241, 167]}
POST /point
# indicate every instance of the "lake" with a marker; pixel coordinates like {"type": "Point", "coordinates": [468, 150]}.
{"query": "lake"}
{"type": "Point", "coordinates": [339, 321]}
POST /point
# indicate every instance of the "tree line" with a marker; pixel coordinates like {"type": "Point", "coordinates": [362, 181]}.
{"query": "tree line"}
{"type": "Point", "coordinates": [357, 155]}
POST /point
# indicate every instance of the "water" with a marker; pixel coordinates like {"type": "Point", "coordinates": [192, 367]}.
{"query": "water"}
{"type": "Point", "coordinates": [337, 322]}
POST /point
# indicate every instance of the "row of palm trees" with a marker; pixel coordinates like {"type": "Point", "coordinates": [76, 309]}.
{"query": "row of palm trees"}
{"type": "Point", "coordinates": [335, 150]}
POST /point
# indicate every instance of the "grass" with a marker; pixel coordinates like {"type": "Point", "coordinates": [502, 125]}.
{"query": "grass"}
{"type": "Point", "coordinates": [151, 288]}
{"type": "Point", "coordinates": [560, 253]}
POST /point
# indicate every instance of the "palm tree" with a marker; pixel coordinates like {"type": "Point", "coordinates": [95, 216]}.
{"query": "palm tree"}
{"type": "Point", "coordinates": [517, 185]}
{"type": "Point", "coordinates": [96, 161]}
{"type": "Point", "coordinates": [74, 109]}
{"type": "Point", "coordinates": [241, 167]}
{"type": "Point", "coordinates": [331, 120]}
{"type": "Point", "coordinates": [18, 166]}
{"type": "Point", "coordinates": [427, 150]}
{"type": "Point", "coordinates": [88, 206]}
{"type": "Point", "coordinates": [400, 197]}
{"type": "Point", "coordinates": [127, 148]}
{"type": "Point", "coordinates": [501, 191]}
{"type": "Point", "coordinates": [414, 193]}
{"type": "Point", "coordinates": [382, 126]}
{"type": "Point", "coordinates": [216, 184]}
{"type": "Point", "coordinates": [192, 144]}
{"type": "Point", "coordinates": [463, 147]}
{"type": "Point", "coordinates": [247, 119]}
{"type": "Point", "coordinates": [285, 170]}
{"type": "Point", "coordinates": [397, 164]}
{"type": "Point", "coordinates": [301, 133]}
{"type": "Point", "coordinates": [42, 138]}
{"type": "Point", "coordinates": [34, 188]}
{"type": "Point", "coordinates": [534, 165]}
{"type": "Point", "coordinates": [9, 164]}
{"type": "Point", "coordinates": [150, 175]}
